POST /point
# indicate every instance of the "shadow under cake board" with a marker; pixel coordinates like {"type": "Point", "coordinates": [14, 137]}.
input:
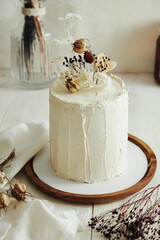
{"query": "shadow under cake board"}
{"type": "Point", "coordinates": [71, 191]}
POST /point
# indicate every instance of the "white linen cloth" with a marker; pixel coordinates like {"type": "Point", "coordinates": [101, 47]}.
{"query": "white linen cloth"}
{"type": "Point", "coordinates": [34, 219]}
{"type": "Point", "coordinates": [41, 219]}
{"type": "Point", "coordinates": [27, 139]}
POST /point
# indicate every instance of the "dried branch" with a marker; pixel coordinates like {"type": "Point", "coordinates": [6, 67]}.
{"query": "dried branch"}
{"type": "Point", "coordinates": [11, 155]}
{"type": "Point", "coordinates": [138, 218]}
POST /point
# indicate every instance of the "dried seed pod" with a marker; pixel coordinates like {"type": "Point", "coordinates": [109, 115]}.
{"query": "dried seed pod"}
{"type": "Point", "coordinates": [4, 201]}
{"type": "Point", "coordinates": [88, 57]}
{"type": "Point", "coordinates": [2, 176]}
{"type": "Point", "coordinates": [19, 191]}
{"type": "Point", "coordinates": [80, 46]}
{"type": "Point", "coordinates": [72, 86]}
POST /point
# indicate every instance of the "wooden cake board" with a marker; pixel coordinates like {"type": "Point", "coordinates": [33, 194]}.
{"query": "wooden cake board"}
{"type": "Point", "coordinates": [93, 193]}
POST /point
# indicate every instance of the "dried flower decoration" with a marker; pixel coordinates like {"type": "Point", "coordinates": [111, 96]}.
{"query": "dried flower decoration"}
{"type": "Point", "coordinates": [87, 71]}
{"type": "Point", "coordinates": [83, 68]}
{"type": "Point", "coordinates": [101, 77]}
{"type": "Point", "coordinates": [19, 191]}
{"type": "Point", "coordinates": [104, 64]}
{"type": "Point", "coordinates": [72, 85]}
{"type": "Point", "coordinates": [80, 46]}
{"type": "Point", "coordinates": [10, 156]}
{"type": "Point", "coordinates": [2, 176]}
{"type": "Point", "coordinates": [3, 164]}
{"type": "Point", "coordinates": [138, 218]}
{"type": "Point", "coordinates": [88, 57]}
{"type": "Point", "coordinates": [68, 22]}
{"type": "Point", "coordinates": [4, 201]}
{"type": "Point", "coordinates": [75, 64]}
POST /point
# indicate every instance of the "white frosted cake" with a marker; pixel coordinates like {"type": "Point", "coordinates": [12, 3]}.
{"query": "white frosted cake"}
{"type": "Point", "coordinates": [88, 130]}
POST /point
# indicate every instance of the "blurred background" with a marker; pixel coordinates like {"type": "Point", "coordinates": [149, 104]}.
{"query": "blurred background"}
{"type": "Point", "coordinates": [126, 30]}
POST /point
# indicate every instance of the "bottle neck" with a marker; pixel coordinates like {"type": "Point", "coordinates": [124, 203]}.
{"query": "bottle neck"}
{"type": "Point", "coordinates": [33, 8]}
{"type": "Point", "coordinates": [33, 3]}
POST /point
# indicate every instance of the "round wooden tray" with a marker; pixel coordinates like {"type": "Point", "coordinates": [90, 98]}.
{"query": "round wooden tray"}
{"type": "Point", "coordinates": [99, 198]}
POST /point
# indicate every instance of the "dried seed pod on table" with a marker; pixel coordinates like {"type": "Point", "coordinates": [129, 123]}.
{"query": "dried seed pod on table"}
{"type": "Point", "coordinates": [4, 201]}
{"type": "Point", "coordinates": [2, 176]}
{"type": "Point", "coordinates": [19, 191]}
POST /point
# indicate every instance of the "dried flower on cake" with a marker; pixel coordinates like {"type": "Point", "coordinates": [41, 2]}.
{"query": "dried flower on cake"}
{"type": "Point", "coordinates": [88, 57]}
{"type": "Point", "coordinates": [85, 69]}
{"type": "Point", "coordinates": [102, 78]}
{"type": "Point", "coordinates": [68, 22]}
{"type": "Point", "coordinates": [4, 201]}
{"type": "Point", "coordinates": [71, 85]}
{"type": "Point", "coordinates": [80, 46]}
{"type": "Point", "coordinates": [104, 64]}
{"type": "Point", "coordinates": [75, 64]}
{"type": "Point", "coordinates": [19, 191]}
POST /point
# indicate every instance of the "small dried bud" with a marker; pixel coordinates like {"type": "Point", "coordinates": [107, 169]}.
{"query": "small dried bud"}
{"type": "Point", "coordinates": [4, 200]}
{"type": "Point", "coordinates": [72, 86]}
{"type": "Point", "coordinates": [2, 176]}
{"type": "Point", "coordinates": [19, 191]}
{"type": "Point", "coordinates": [79, 46]}
{"type": "Point", "coordinates": [88, 57]}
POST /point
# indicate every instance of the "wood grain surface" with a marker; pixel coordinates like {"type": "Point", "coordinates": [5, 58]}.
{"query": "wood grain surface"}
{"type": "Point", "coordinates": [99, 198]}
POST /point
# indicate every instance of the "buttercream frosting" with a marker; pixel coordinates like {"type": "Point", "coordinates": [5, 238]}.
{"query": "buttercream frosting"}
{"type": "Point", "coordinates": [88, 131]}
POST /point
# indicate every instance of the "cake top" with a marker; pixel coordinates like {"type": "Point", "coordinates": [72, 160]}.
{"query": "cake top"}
{"type": "Point", "coordinates": [85, 71]}
{"type": "Point", "coordinates": [89, 95]}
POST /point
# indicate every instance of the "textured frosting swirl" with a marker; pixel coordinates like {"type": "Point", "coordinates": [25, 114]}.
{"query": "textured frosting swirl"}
{"type": "Point", "coordinates": [90, 95]}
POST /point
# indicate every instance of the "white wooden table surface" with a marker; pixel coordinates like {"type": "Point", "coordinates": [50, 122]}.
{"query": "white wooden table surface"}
{"type": "Point", "coordinates": [20, 105]}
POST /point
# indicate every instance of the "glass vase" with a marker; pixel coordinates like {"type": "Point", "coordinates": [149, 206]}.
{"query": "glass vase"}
{"type": "Point", "coordinates": [31, 47]}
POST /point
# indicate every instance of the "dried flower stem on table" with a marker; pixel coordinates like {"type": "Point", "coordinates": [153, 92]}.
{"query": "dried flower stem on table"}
{"type": "Point", "coordinates": [11, 155]}
{"type": "Point", "coordinates": [138, 218]}
{"type": "Point", "coordinates": [2, 165]}
{"type": "Point", "coordinates": [17, 190]}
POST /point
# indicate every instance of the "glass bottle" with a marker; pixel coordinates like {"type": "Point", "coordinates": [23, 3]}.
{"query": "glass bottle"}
{"type": "Point", "coordinates": [31, 47]}
{"type": "Point", "coordinates": [157, 61]}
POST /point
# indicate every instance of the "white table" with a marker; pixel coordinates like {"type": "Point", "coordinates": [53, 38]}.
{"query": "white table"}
{"type": "Point", "coordinates": [19, 105]}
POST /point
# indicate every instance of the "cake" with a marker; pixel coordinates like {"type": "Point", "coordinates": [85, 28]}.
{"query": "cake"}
{"type": "Point", "coordinates": [88, 131]}
{"type": "Point", "coordinates": [88, 117]}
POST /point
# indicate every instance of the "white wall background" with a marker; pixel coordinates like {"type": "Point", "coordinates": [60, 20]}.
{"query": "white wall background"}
{"type": "Point", "coordinates": [125, 29]}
